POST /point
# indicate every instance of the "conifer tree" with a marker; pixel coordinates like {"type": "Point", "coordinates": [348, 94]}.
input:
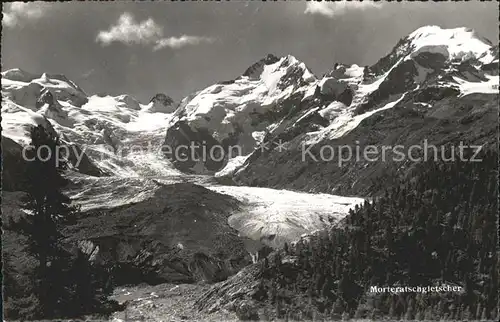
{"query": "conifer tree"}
{"type": "Point", "coordinates": [63, 286]}
{"type": "Point", "coordinates": [46, 205]}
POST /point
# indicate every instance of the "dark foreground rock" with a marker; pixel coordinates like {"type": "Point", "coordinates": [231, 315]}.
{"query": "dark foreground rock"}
{"type": "Point", "coordinates": [179, 235]}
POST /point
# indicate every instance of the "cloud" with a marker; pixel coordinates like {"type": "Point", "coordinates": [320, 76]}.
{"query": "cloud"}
{"type": "Point", "coordinates": [178, 42]}
{"type": "Point", "coordinates": [18, 12]}
{"type": "Point", "coordinates": [130, 32]}
{"type": "Point", "coordinates": [331, 9]}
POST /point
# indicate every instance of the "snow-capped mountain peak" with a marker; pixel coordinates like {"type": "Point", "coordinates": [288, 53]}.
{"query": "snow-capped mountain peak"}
{"type": "Point", "coordinates": [24, 88]}
{"type": "Point", "coordinates": [456, 43]}
{"type": "Point", "coordinates": [98, 125]}
{"type": "Point", "coordinates": [285, 72]}
{"type": "Point", "coordinates": [273, 69]}
{"type": "Point", "coordinates": [241, 110]}
{"type": "Point", "coordinates": [17, 74]}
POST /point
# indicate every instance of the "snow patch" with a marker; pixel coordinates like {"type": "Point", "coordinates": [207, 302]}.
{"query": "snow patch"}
{"type": "Point", "coordinates": [488, 87]}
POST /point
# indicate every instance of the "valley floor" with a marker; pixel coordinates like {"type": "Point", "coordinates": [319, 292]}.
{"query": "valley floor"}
{"type": "Point", "coordinates": [164, 302]}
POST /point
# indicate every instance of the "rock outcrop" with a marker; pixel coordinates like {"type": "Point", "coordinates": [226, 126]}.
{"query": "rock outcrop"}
{"type": "Point", "coordinates": [177, 148]}
{"type": "Point", "coordinates": [161, 103]}
{"type": "Point", "coordinates": [331, 89]}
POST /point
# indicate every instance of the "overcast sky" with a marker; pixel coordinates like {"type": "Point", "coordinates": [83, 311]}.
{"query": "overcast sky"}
{"type": "Point", "coordinates": [179, 47]}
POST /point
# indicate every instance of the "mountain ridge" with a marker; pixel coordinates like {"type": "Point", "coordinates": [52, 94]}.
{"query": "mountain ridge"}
{"type": "Point", "coordinates": [274, 97]}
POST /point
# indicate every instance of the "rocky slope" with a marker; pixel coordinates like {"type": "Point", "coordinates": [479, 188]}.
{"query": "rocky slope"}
{"type": "Point", "coordinates": [178, 234]}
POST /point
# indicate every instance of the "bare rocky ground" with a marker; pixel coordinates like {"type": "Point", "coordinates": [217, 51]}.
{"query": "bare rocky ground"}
{"type": "Point", "coordinates": [164, 302]}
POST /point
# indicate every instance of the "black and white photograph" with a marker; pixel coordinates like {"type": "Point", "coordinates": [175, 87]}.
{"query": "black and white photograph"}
{"type": "Point", "coordinates": [172, 161]}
